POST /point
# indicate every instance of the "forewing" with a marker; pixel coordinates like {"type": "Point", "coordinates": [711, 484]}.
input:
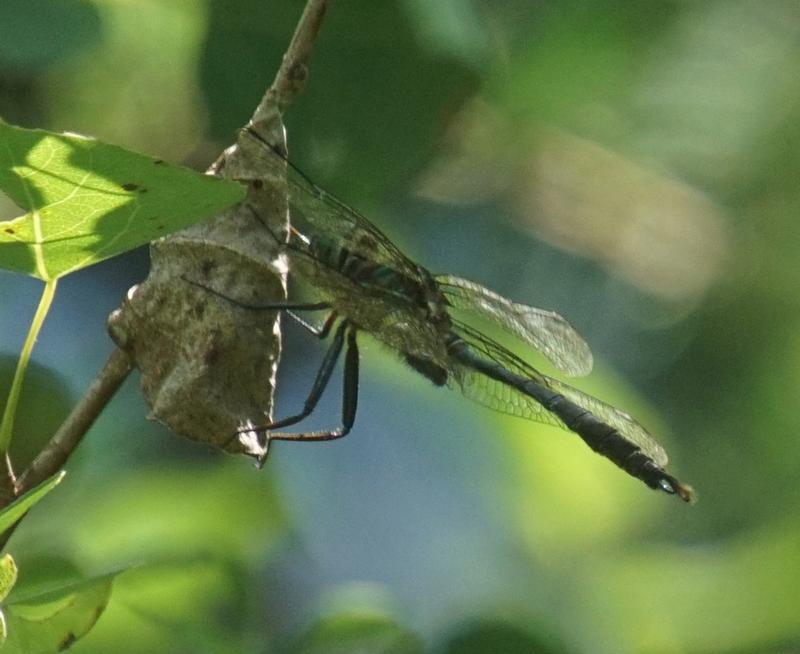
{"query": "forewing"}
{"type": "Point", "coordinates": [319, 214]}
{"type": "Point", "coordinates": [547, 331]}
{"type": "Point", "coordinates": [505, 399]}
{"type": "Point", "coordinates": [492, 393]}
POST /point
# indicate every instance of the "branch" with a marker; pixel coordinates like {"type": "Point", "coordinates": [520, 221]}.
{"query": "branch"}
{"type": "Point", "coordinates": [55, 454]}
{"type": "Point", "coordinates": [8, 482]}
{"type": "Point", "coordinates": [292, 74]}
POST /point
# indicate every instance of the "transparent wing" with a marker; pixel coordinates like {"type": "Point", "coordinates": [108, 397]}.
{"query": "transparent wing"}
{"type": "Point", "coordinates": [318, 214]}
{"type": "Point", "coordinates": [503, 398]}
{"type": "Point", "coordinates": [547, 331]}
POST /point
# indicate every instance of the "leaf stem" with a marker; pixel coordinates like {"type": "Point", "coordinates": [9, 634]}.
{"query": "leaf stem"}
{"type": "Point", "coordinates": [7, 424]}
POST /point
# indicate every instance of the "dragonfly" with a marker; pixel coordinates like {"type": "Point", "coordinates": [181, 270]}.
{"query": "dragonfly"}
{"type": "Point", "coordinates": [370, 285]}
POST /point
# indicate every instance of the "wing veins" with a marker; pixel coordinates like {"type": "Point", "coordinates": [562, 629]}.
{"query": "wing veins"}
{"type": "Point", "coordinates": [329, 215]}
{"type": "Point", "coordinates": [546, 331]}
{"type": "Point", "coordinates": [629, 428]}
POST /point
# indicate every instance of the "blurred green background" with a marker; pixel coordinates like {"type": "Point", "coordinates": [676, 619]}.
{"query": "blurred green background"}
{"type": "Point", "coordinates": [632, 165]}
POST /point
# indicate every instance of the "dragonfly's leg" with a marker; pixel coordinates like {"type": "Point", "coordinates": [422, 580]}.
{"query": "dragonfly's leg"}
{"type": "Point", "coordinates": [349, 401]}
{"type": "Point", "coordinates": [269, 306]}
{"type": "Point", "coordinates": [320, 382]}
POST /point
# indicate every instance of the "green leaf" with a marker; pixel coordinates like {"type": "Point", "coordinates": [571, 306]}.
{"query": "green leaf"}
{"type": "Point", "coordinates": [51, 621]}
{"type": "Point", "coordinates": [8, 575]}
{"type": "Point", "coordinates": [22, 505]}
{"type": "Point", "coordinates": [87, 200]}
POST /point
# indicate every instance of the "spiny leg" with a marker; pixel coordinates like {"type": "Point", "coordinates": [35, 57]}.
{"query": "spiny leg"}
{"type": "Point", "coordinates": [320, 383]}
{"type": "Point", "coordinates": [323, 374]}
{"type": "Point", "coordinates": [349, 399]}
{"type": "Point", "coordinates": [282, 305]}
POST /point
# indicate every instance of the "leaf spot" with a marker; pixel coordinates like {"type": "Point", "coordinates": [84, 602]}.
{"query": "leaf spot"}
{"type": "Point", "coordinates": [67, 642]}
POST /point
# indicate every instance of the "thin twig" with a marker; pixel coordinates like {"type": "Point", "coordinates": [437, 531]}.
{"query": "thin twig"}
{"type": "Point", "coordinates": [52, 458]}
{"type": "Point", "coordinates": [8, 482]}
{"type": "Point", "coordinates": [291, 75]}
